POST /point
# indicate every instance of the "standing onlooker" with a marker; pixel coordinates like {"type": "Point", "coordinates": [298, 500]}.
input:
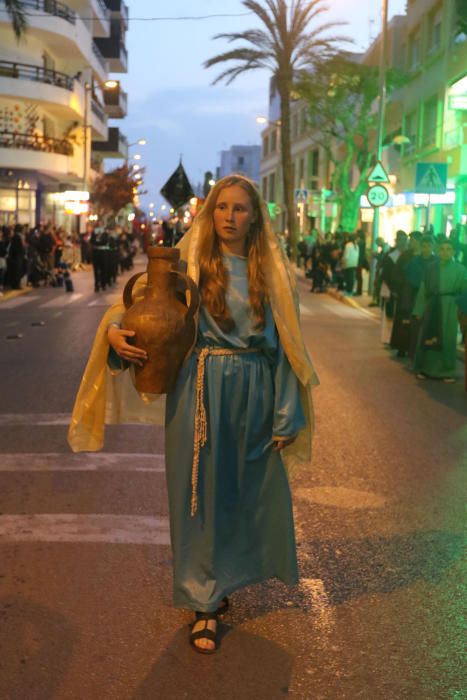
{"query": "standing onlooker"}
{"type": "Point", "coordinates": [45, 247]}
{"type": "Point", "coordinates": [16, 258]}
{"type": "Point", "coordinates": [362, 261]}
{"type": "Point", "coordinates": [404, 294]}
{"type": "Point", "coordinates": [3, 254]}
{"type": "Point", "coordinates": [415, 272]}
{"type": "Point", "coordinates": [350, 257]}
{"type": "Point", "coordinates": [387, 282]}
{"type": "Point", "coordinates": [445, 279]}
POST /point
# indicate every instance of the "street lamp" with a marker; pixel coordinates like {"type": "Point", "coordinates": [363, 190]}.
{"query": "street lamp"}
{"type": "Point", "coordinates": [264, 120]}
{"type": "Point", "coordinates": [140, 142]}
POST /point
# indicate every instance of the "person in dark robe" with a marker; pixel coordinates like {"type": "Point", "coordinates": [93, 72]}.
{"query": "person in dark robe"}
{"type": "Point", "coordinates": [16, 258]}
{"type": "Point", "coordinates": [387, 286]}
{"type": "Point", "coordinates": [444, 281]}
{"type": "Point", "coordinates": [404, 295]}
{"type": "Point", "coordinates": [415, 272]}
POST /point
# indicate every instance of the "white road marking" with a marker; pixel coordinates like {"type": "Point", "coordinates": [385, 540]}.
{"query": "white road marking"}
{"type": "Point", "coordinates": [62, 300]}
{"type": "Point", "coordinates": [82, 462]}
{"type": "Point", "coordinates": [17, 301]}
{"type": "Point", "coordinates": [34, 419]}
{"type": "Point", "coordinates": [64, 527]}
{"type": "Point", "coordinates": [106, 300]}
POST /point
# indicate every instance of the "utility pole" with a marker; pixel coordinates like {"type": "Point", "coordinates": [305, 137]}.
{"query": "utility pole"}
{"type": "Point", "coordinates": [381, 112]}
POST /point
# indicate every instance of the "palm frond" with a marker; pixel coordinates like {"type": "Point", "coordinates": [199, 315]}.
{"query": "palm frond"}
{"type": "Point", "coordinates": [242, 54]}
{"type": "Point", "coordinates": [17, 15]}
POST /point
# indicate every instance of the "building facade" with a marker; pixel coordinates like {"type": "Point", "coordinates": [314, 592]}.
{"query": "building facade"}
{"type": "Point", "coordinates": [429, 114]}
{"type": "Point", "coordinates": [55, 102]}
{"type": "Point", "coordinates": [240, 159]}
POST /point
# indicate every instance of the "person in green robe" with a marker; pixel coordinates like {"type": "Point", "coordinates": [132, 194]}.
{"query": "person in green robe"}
{"type": "Point", "coordinates": [444, 281]}
{"type": "Point", "coordinates": [235, 407]}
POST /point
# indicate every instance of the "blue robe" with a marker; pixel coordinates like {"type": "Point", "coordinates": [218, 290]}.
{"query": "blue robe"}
{"type": "Point", "coordinates": [243, 530]}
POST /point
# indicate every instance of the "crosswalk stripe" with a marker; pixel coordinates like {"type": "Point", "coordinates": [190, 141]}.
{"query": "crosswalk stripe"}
{"type": "Point", "coordinates": [106, 300]}
{"type": "Point", "coordinates": [81, 462]}
{"type": "Point", "coordinates": [17, 301]}
{"type": "Point", "coordinates": [61, 301]}
{"type": "Point", "coordinates": [34, 419]}
{"type": "Point", "coordinates": [65, 527]}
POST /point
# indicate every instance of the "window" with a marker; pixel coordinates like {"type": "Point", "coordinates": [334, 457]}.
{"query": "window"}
{"type": "Point", "coordinates": [410, 130]}
{"type": "Point", "coordinates": [274, 141]}
{"type": "Point", "coordinates": [264, 188]}
{"type": "Point", "coordinates": [430, 121]}
{"type": "Point", "coordinates": [240, 162]}
{"type": "Point", "coordinates": [272, 187]}
{"type": "Point", "coordinates": [434, 31]}
{"type": "Point", "coordinates": [303, 121]}
{"type": "Point", "coordinates": [414, 50]}
{"type": "Point", "coordinates": [294, 125]}
{"type": "Point", "coordinates": [301, 170]}
{"type": "Point", "coordinates": [48, 127]}
{"type": "Point", "coordinates": [265, 146]}
{"type": "Point", "coordinates": [313, 162]}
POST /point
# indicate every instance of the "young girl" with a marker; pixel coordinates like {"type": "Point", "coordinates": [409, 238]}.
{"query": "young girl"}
{"type": "Point", "coordinates": [241, 397]}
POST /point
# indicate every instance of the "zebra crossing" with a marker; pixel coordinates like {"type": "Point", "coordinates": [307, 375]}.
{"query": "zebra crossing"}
{"type": "Point", "coordinates": [63, 300]}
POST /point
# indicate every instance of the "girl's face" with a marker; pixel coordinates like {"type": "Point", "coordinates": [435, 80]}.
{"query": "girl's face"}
{"type": "Point", "coordinates": [233, 216]}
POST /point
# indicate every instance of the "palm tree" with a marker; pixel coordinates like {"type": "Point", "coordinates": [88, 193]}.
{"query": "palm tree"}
{"type": "Point", "coordinates": [285, 47]}
{"type": "Point", "coordinates": [17, 15]}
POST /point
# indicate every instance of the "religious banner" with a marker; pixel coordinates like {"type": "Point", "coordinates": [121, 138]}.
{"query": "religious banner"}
{"type": "Point", "coordinates": [177, 190]}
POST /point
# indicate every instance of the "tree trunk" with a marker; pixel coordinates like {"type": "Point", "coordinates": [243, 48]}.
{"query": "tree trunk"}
{"type": "Point", "coordinates": [350, 209]}
{"type": "Point", "coordinates": [287, 178]}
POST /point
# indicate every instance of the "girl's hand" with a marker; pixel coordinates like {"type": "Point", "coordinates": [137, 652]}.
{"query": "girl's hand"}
{"type": "Point", "coordinates": [280, 443]}
{"type": "Point", "coordinates": [117, 339]}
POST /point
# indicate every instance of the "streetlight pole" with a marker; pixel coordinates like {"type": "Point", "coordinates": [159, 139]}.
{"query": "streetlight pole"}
{"type": "Point", "coordinates": [381, 112]}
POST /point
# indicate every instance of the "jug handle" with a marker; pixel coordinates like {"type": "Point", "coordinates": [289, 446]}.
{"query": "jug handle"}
{"type": "Point", "coordinates": [128, 291]}
{"type": "Point", "coordinates": [194, 293]}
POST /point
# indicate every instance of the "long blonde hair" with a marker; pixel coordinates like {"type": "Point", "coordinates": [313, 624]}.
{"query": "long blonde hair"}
{"type": "Point", "coordinates": [214, 278]}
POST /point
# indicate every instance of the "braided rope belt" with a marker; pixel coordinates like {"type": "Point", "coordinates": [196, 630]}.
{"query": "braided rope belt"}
{"type": "Point", "coordinates": [201, 424]}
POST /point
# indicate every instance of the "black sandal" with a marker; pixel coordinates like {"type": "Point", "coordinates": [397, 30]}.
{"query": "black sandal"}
{"type": "Point", "coordinates": [222, 609]}
{"type": "Point", "coordinates": [204, 633]}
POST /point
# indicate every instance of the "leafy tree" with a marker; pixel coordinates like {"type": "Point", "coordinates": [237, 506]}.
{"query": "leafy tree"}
{"type": "Point", "coordinates": [340, 96]}
{"type": "Point", "coordinates": [17, 14]}
{"type": "Point", "coordinates": [114, 190]}
{"type": "Point", "coordinates": [285, 46]}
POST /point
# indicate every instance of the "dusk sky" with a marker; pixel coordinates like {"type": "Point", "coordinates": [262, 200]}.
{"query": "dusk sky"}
{"type": "Point", "coordinates": [172, 103]}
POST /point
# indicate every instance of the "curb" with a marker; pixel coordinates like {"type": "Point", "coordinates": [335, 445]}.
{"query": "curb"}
{"type": "Point", "coordinates": [15, 293]}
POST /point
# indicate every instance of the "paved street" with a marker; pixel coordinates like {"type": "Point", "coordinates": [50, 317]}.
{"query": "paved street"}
{"type": "Point", "coordinates": [85, 562]}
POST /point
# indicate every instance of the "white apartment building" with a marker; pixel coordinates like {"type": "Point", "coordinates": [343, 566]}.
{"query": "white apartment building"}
{"type": "Point", "coordinates": [55, 105]}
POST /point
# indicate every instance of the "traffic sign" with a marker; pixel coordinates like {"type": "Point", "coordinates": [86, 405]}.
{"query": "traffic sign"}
{"type": "Point", "coordinates": [431, 178]}
{"type": "Point", "coordinates": [377, 195]}
{"type": "Point", "coordinates": [378, 174]}
{"type": "Point", "coordinates": [301, 195]}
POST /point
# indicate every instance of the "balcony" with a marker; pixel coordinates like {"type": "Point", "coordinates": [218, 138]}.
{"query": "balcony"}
{"type": "Point", "coordinates": [50, 7]}
{"type": "Point", "coordinates": [118, 8]}
{"type": "Point", "coordinates": [100, 18]}
{"type": "Point", "coordinates": [38, 74]}
{"type": "Point", "coordinates": [98, 120]}
{"type": "Point", "coordinates": [113, 49]}
{"type": "Point", "coordinates": [116, 145]}
{"type": "Point", "coordinates": [35, 142]}
{"type": "Point", "coordinates": [116, 102]}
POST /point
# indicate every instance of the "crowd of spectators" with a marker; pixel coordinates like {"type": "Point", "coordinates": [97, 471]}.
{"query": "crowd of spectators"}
{"type": "Point", "coordinates": [47, 255]}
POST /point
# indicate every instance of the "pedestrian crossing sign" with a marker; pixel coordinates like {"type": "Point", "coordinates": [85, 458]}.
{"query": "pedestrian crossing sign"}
{"type": "Point", "coordinates": [431, 178]}
{"type": "Point", "coordinates": [378, 174]}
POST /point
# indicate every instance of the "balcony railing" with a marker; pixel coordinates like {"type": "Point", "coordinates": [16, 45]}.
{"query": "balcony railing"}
{"type": "Point", "coordinates": [35, 142]}
{"type": "Point", "coordinates": [39, 74]}
{"type": "Point", "coordinates": [98, 54]}
{"type": "Point", "coordinates": [51, 7]}
{"type": "Point", "coordinates": [97, 110]}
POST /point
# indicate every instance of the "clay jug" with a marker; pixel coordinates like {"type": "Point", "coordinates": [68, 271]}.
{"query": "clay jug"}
{"type": "Point", "coordinates": [164, 326]}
